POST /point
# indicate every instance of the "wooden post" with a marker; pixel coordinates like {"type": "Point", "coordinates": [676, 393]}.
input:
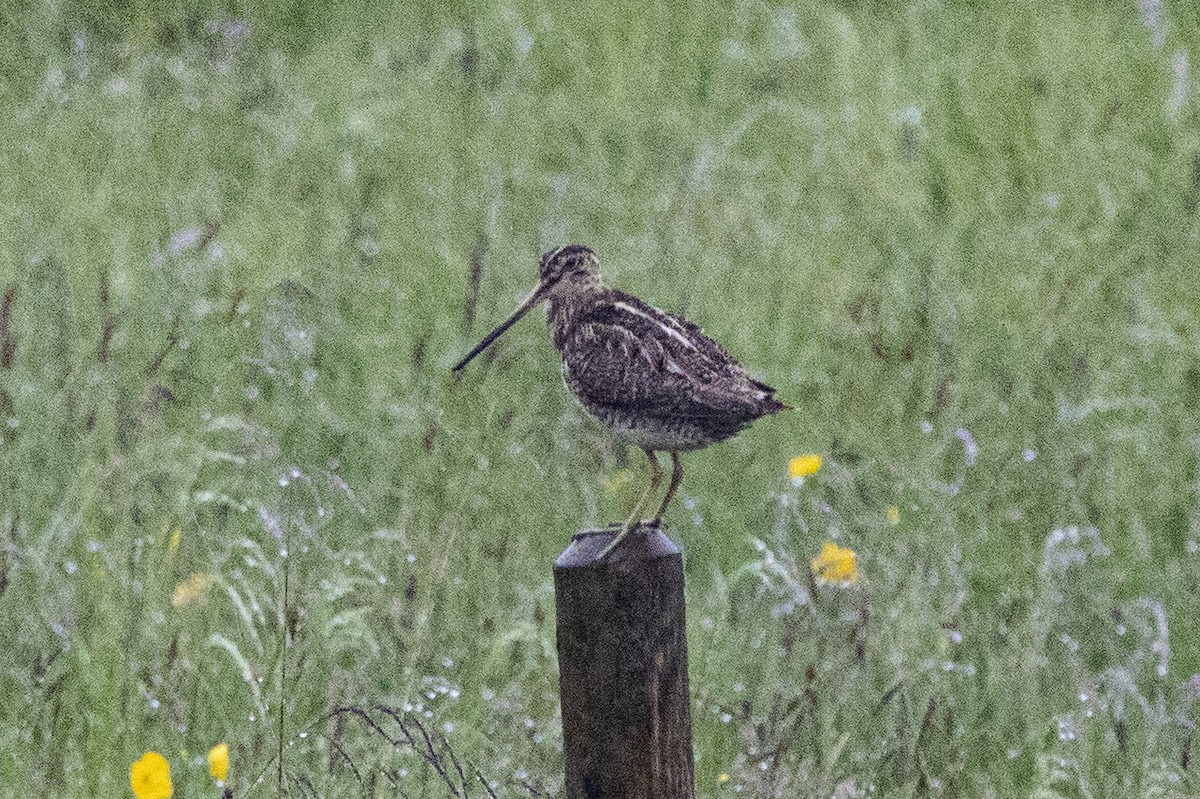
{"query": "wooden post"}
{"type": "Point", "coordinates": [622, 659]}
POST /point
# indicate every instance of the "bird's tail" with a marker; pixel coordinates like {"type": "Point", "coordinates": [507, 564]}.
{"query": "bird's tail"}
{"type": "Point", "coordinates": [770, 404]}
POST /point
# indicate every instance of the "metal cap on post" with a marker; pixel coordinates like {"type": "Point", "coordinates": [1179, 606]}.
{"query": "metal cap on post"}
{"type": "Point", "coordinates": [622, 656]}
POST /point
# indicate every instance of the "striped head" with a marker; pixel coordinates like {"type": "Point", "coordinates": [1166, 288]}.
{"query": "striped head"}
{"type": "Point", "coordinates": [569, 260]}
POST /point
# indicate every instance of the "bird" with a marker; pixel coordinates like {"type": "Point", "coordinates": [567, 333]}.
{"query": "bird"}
{"type": "Point", "coordinates": [651, 377]}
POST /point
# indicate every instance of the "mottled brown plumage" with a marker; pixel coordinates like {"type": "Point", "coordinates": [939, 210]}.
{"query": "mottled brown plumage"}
{"type": "Point", "coordinates": [653, 378]}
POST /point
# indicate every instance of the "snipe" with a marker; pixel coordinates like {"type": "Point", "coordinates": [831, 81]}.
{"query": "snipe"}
{"type": "Point", "coordinates": [653, 378]}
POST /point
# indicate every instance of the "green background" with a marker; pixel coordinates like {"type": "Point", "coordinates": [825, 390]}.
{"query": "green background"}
{"type": "Point", "coordinates": [241, 247]}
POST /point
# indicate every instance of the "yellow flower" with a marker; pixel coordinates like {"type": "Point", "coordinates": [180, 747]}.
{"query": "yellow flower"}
{"type": "Point", "coordinates": [175, 537]}
{"type": "Point", "coordinates": [803, 466]}
{"type": "Point", "coordinates": [218, 761]}
{"type": "Point", "coordinates": [193, 589]}
{"type": "Point", "coordinates": [150, 777]}
{"type": "Point", "coordinates": [723, 778]}
{"type": "Point", "coordinates": [834, 564]}
{"type": "Point", "coordinates": [893, 515]}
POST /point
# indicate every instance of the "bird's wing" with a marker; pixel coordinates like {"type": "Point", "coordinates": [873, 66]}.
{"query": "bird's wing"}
{"type": "Point", "coordinates": [684, 337]}
{"type": "Point", "coordinates": [633, 357]}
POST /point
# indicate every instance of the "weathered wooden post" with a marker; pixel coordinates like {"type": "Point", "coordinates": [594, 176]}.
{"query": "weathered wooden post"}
{"type": "Point", "coordinates": [622, 657]}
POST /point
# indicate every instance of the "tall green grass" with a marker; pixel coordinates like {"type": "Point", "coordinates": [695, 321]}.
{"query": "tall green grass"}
{"type": "Point", "coordinates": [236, 254]}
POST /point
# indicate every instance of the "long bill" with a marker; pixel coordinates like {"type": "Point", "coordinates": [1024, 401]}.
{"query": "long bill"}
{"type": "Point", "coordinates": [535, 296]}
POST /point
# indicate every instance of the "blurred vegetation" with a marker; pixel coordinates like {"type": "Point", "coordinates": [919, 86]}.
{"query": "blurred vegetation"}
{"type": "Point", "coordinates": [241, 246]}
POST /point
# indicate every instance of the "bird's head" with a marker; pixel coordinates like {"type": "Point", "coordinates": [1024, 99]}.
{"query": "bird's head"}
{"type": "Point", "coordinates": [564, 269]}
{"type": "Point", "coordinates": [570, 260]}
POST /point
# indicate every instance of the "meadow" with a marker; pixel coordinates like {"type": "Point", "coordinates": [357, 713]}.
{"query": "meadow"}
{"type": "Point", "coordinates": [242, 500]}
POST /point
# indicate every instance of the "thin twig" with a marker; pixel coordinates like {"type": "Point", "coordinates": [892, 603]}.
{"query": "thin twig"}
{"type": "Point", "coordinates": [283, 631]}
{"type": "Point", "coordinates": [362, 714]}
{"type": "Point", "coordinates": [349, 760]}
{"type": "Point", "coordinates": [8, 341]}
{"type": "Point", "coordinates": [483, 781]}
{"type": "Point", "coordinates": [474, 279]}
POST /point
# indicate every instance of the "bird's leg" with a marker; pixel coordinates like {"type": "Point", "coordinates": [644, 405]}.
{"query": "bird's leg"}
{"type": "Point", "coordinates": [676, 479]}
{"type": "Point", "coordinates": [634, 518]}
{"type": "Point", "coordinates": [656, 475]}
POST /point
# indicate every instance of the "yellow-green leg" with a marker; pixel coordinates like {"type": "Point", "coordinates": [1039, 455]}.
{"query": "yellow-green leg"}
{"type": "Point", "coordinates": [676, 479]}
{"type": "Point", "coordinates": [635, 517]}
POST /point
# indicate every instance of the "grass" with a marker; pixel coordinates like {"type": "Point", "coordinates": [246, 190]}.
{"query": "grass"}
{"type": "Point", "coordinates": [236, 250]}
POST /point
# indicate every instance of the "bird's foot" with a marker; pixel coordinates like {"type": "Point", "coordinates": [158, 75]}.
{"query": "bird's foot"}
{"type": "Point", "coordinates": [624, 529]}
{"type": "Point", "coordinates": [654, 524]}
